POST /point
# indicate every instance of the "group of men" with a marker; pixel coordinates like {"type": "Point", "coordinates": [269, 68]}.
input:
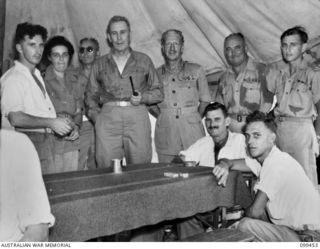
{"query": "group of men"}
{"type": "Point", "coordinates": [123, 86]}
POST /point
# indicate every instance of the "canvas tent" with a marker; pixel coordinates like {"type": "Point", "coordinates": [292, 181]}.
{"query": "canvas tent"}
{"type": "Point", "coordinates": [205, 24]}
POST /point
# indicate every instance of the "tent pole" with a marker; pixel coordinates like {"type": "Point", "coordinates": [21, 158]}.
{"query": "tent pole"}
{"type": "Point", "coordinates": [2, 29]}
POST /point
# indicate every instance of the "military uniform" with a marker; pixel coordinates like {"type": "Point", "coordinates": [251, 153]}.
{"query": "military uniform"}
{"type": "Point", "coordinates": [179, 123]}
{"type": "Point", "coordinates": [295, 112]}
{"type": "Point", "coordinates": [87, 158]}
{"type": "Point", "coordinates": [121, 128]}
{"type": "Point", "coordinates": [66, 100]}
{"type": "Point", "coordinates": [245, 93]}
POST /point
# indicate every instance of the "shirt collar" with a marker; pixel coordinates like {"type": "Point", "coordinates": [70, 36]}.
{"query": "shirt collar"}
{"type": "Point", "coordinates": [286, 69]}
{"type": "Point", "coordinates": [22, 67]}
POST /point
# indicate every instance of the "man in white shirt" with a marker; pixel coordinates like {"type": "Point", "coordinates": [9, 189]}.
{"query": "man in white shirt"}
{"type": "Point", "coordinates": [25, 104]}
{"type": "Point", "coordinates": [286, 203]}
{"type": "Point", "coordinates": [25, 211]}
{"type": "Point", "coordinates": [221, 148]}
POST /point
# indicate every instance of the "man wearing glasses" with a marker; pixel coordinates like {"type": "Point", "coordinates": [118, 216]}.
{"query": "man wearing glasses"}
{"type": "Point", "coordinates": [88, 52]}
{"type": "Point", "coordinates": [121, 84]}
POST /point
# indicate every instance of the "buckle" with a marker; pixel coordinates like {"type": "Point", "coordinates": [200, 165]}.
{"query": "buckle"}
{"type": "Point", "coordinates": [239, 118]}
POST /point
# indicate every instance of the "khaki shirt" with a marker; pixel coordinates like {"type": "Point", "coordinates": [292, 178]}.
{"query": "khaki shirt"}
{"type": "Point", "coordinates": [296, 94]}
{"type": "Point", "coordinates": [179, 123]}
{"type": "Point", "coordinates": [107, 84]}
{"type": "Point", "coordinates": [247, 92]}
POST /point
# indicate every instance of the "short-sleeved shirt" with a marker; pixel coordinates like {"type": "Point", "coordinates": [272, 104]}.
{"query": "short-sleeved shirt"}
{"type": "Point", "coordinates": [107, 84]}
{"type": "Point", "coordinates": [20, 92]}
{"type": "Point", "coordinates": [296, 94]}
{"type": "Point", "coordinates": [23, 197]}
{"type": "Point", "coordinates": [293, 199]}
{"type": "Point", "coordinates": [202, 152]}
{"type": "Point", "coordinates": [246, 92]}
{"type": "Point", "coordinates": [66, 96]}
{"type": "Point", "coordinates": [184, 87]}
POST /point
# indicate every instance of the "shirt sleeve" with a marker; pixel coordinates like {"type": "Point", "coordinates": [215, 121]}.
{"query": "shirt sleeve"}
{"type": "Point", "coordinates": [92, 92]}
{"type": "Point", "coordinates": [154, 94]}
{"type": "Point", "coordinates": [315, 85]}
{"type": "Point", "coordinates": [12, 93]}
{"type": "Point", "coordinates": [270, 180]}
{"type": "Point", "coordinates": [32, 200]}
{"type": "Point", "coordinates": [204, 91]}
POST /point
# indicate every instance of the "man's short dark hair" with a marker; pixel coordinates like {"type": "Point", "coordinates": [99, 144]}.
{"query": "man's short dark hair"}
{"type": "Point", "coordinates": [164, 36]}
{"type": "Point", "coordinates": [115, 19]}
{"type": "Point", "coordinates": [239, 35]}
{"type": "Point", "coordinates": [91, 39]}
{"type": "Point", "coordinates": [57, 41]}
{"type": "Point", "coordinates": [216, 106]}
{"type": "Point", "coordinates": [28, 29]}
{"type": "Point", "coordinates": [297, 30]}
{"type": "Point", "coordinates": [258, 116]}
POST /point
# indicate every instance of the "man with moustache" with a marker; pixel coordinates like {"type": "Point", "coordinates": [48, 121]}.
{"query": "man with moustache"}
{"type": "Point", "coordinates": [210, 151]}
{"type": "Point", "coordinates": [286, 205]}
{"type": "Point", "coordinates": [297, 89]}
{"type": "Point", "coordinates": [242, 87]}
{"type": "Point", "coordinates": [186, 94]}
{"type": "Point", "coordinates": [88, 52]}
{"type": "Point", "coordinates": [25, 103]}
{"type": "Point", "coordinates": [121, 84]}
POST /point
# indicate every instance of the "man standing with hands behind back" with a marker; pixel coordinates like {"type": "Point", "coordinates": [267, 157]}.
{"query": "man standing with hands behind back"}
{"type": "Point", "coordinates": [123, 82]}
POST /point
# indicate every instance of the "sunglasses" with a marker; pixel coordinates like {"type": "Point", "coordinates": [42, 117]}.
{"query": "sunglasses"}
{"type": "Point", "coordinates": [83, 49]}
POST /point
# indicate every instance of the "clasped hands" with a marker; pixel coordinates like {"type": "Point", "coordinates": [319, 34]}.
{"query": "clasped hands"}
{"type": "Point", "coordinates": [221, 171]}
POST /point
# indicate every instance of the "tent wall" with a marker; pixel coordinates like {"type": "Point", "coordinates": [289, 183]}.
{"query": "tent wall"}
{"type": "Point", "coordinates": [205, 24]}
{"type": "Point", "coordinates": [2, 30]}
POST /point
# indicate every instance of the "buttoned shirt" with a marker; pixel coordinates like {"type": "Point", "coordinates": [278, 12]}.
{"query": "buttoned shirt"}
{"type": "Point", "coordinates": [184, 87]}
{"type": "Point", "coordinates": [202, 152]}
{"type": "Point", "coordinates": [246, 92]}
{"type": "Point", "coordinates": [107, 84]}
{"type": "Point", "coordinates": [293, 200]}
{"type": "Point", "coordinates": [66, 95]}
{"type": "Point", "coordinates": [20, 92]}
{"type": "Point", "coordinates": [296, 94]}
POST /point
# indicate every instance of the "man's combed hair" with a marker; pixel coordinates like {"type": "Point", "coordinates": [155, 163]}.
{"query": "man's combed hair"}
{"type": "Point", "coordinates": [216, 106]}
{"type": "Point", "coordinates": [31, 30]}
{"type": "Point", "coordinates": [297, 30]}
{"type": "Point", "coordinates": [115, 19]}
{"type": "Point", "coordinates": [258, 116]}
{"type": "Point", "coordinates": [178, 32]}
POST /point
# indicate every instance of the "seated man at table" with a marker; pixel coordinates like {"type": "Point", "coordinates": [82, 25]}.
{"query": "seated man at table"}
{"type": "Point", "coordinates": [286, 204]}
{"type": "Point", "coordinates": [24, 207]}
{"type": "Point", "coordinates": [226, 147]}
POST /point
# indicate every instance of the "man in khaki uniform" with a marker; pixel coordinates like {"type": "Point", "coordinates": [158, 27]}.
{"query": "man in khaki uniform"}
{"type": "Point", "coordinates": [242, 87]}
{"type": "Point", "coordinates": [186, 94]}
{"type": "Point", "coordinates": [297, 88]}
{"type": "Point", "coordinates": [121, 84]}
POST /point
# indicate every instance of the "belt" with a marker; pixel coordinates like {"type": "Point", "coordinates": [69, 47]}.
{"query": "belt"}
{"type": "Point", "coordinates": [40, 130]}
{"type": "Point", "coordinates": [293, 119]}
{"type": "Point", "coordinates": [119, 103]}
{"type": "Point", "coordinates": [180, 110]}
{"type": "Point", "coordinates": [239, 117]}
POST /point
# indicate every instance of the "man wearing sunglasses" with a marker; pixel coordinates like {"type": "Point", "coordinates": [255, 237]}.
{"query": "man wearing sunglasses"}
{"type": "Point", "coordinates": [121, 84]}
{"type": "Point", "coordinates": [88, 52]}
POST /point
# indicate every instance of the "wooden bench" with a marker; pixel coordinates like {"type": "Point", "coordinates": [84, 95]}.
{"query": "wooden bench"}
{"type": "Point", "coordinates": [221, 235]}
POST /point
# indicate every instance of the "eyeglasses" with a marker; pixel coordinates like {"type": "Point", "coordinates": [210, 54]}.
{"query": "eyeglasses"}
{"type": "Point", "coordinates": [83, 49]}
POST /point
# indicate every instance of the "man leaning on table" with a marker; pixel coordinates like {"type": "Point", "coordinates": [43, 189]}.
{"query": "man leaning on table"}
{"type": "Point", "coordinates": [286, 205]}
{"type": "Point", "coordinates": [218, 148]}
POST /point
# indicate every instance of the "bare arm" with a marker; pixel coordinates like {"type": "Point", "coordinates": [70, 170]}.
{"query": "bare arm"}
{"type": "Point", "coordinates": [202, 107]}
{"type": "Point", "coordinates": [317, 121]}
{"type": "Point", "coordinates": [222, 168]}
{"type": "Point", "coordinates": [38, 232]}
{"type": "Point", "coordinates": [23, 120]}
{"type": "Point", "coordinates": [257, 210]}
